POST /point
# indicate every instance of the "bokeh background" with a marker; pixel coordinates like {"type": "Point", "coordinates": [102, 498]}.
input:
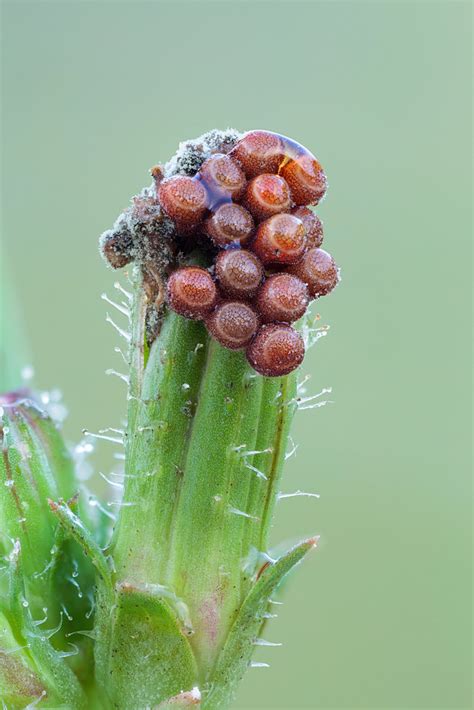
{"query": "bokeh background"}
{"type": "Point", "coordinates": [94, 93]}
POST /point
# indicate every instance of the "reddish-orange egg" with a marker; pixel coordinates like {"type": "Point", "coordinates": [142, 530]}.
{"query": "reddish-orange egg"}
{"type": "Point", "coordinates": [230, 224]}
{"type": "Point", "coordinates": [276, 350]}
{"type": "Point", "coordinates": [305, 178]}
{"type": "Point", "coordinates": [191, 292]}
{"type": "Point", "coordinates": [239, 273]}
{"type": "Point", "coordinates": [233, 324]}
{"type": "Point", "coordinates": [222, 175]}
{"type": "Point", "coordinates": [280, 240]}
{"type": "Point", "coordinates": [267, 195]}
{"type": "Point", "coordinates": [313, 226]}
{"type": "Point", "coordinates": [259, 152]}
{"type": "Point", "coordinates": [184, 199]}
{"type": "Point", "coordinates": [283, 297]}
{"type": "Point", "coordinates": [318, 270]}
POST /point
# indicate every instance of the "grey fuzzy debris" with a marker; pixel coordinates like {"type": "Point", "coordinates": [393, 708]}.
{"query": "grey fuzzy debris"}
{"type": "Point", "coordinates": [144, 234]}
{"type": "Point", "coordinates": [146, 230]}
{"type": "Point", "coordinates": [192, 153]}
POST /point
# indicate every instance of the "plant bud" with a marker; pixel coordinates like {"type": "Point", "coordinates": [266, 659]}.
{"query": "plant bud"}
{"type": "Point", "coordinates": [34, 466]}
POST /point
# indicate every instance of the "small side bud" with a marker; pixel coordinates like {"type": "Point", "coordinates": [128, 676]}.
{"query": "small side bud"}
{"type": "Point", "coordinates": [35, 469]}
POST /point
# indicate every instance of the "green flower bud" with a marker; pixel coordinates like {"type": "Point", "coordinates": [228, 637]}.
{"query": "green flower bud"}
{"type": "Point", "coordinates": [35, 466]}
{"type": "Point", "coordinates": [32, 670]}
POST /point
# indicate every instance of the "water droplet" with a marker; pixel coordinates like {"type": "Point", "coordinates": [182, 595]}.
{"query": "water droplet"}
{"type": "Point", "coordinates": [27, 373]}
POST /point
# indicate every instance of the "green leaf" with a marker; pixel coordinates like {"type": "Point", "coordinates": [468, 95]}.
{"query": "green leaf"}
{"type": "Point", "coordinates": [149, 658]}
{"type": "Point", "coordinates": [60, 683]}
{"type": "Point", "coordinates": [20, 683]}
{"type": "Point", "coordinates": [34, 466]}
{"type": "Point", "coordinates": [235, 657]}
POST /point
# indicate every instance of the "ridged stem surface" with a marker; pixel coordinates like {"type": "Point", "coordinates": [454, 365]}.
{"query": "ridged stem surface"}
{"type": "Point", "coordinates": [205, 443]}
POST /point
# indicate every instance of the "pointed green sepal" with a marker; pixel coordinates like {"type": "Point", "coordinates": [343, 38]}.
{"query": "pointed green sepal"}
{"type": "Point", "coordinates": [237, 652]}
{"type": "Point", "coordinates": [76, 529]}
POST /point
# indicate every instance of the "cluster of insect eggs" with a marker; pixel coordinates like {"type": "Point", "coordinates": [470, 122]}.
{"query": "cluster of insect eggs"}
{"type": "Point", "coordinates": [253, 205]}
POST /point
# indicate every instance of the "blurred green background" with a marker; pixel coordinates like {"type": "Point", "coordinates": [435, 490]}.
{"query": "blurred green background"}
{"type": "Point", "coordinates": [94, 93]}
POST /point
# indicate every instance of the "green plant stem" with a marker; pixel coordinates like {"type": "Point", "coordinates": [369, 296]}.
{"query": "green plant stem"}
{"type": "Point", "coordinates": [198, 498]}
